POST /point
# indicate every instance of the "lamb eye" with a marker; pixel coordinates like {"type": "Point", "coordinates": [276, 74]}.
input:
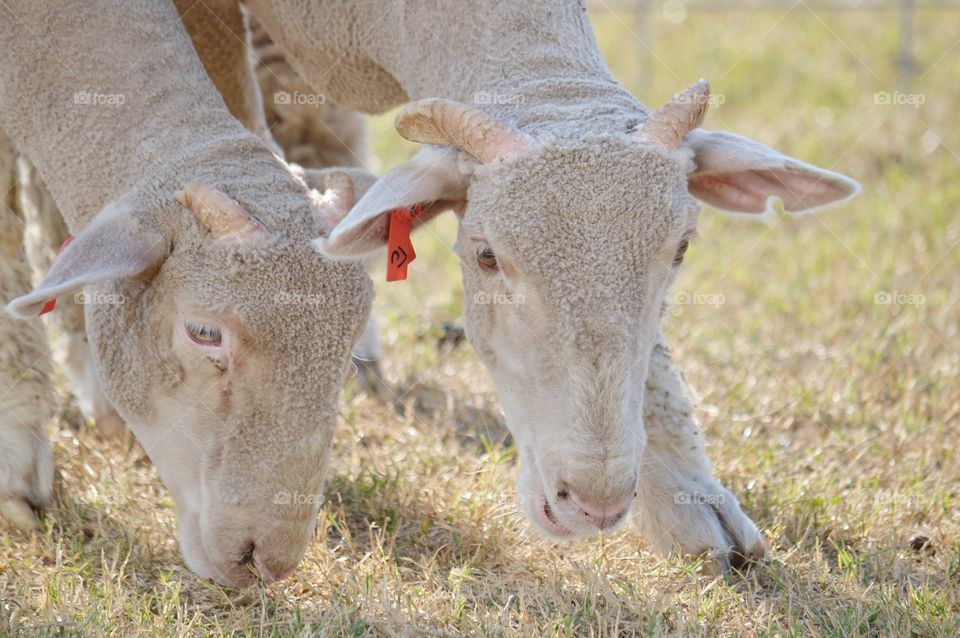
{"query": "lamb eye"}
{"type": "Point", "coordinates": [681, 251]}
{"type": "Point", "coordinates": [487, 260]}
{"type": "Point", "coordinates": [203, 335]}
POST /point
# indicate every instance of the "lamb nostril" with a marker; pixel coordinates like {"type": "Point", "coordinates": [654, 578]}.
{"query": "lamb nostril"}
{"type": "Point", "coordinates": [256, 565]}
{"type": "Point", "coordinates": [246, 559]}
{"type": "Point", "coordinates": [563, 494]}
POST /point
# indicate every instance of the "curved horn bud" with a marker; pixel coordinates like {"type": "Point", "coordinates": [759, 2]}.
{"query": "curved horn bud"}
{"type": "Point", "coordinates": [669, 124]}
{"type": "Point", "coordinates": [222, 216]}
{"type": "Point", "coordinates": [449, 123]}
{"type": "Point", "coordinates": [338, 197]}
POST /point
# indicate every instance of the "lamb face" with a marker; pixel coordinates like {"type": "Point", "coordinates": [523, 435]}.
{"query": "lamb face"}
{"type": "Point", "coordinates": [241, 430]}
{"type": "Point", "coordinates": [564, 280]}
{"type": "Point", "coordinates": [566, 254]}
{"type": "Point", "coordinates": [224, 344]}
{"type": "Point", "coordinates": [567, 248]}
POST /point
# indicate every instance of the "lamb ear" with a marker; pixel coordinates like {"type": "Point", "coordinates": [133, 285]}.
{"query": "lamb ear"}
{"type": "Point", "coordinates": [739, 175]}
{"type": "Point", "coordinates": [110, 248]}
{"type": "Point", "coordinates": [334, 192]}
{"type": "Point", "coordinates": [435, 178]}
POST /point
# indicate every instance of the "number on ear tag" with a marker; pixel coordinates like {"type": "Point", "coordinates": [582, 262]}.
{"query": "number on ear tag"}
{"type": "Point", "coordinates": [399, 247]}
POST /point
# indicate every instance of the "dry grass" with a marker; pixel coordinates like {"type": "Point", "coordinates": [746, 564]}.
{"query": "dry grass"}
{"type": "Point", "coordinates": [832, 416]}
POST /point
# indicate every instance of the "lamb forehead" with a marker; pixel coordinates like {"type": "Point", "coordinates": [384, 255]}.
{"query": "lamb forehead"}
{"type": "Point", "coordinates": [279, 290]}
{"type": "Point", "coordinates": [601, 212]}
{"type": "Point", "coordinates": [578, 189]}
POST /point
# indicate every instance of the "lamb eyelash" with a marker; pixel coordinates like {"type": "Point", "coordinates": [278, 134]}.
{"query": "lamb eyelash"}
{"type": "Point", "coordinates": [203, 334]}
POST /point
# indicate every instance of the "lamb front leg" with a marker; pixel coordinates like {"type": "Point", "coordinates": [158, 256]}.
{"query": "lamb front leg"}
{"type": "Point", "coordinates": [679, 504]}
{"type": "Point", "coordinates": [26, 394]}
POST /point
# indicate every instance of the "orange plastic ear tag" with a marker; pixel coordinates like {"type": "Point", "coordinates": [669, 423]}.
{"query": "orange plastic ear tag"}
{"type": "Point", "coordinates": [50, 305]}
{"type": "Point", "coordinates": [399, 247]}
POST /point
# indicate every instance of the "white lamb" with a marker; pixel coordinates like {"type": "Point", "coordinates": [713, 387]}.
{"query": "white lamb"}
{"type": "Point", "coordinates": [187, 228]}
{"type": "Point", "coordinates": [575, 198]}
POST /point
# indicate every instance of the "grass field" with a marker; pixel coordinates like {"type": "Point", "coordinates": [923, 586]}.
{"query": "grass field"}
{"type": "Point", "coordinates": [825, 365]}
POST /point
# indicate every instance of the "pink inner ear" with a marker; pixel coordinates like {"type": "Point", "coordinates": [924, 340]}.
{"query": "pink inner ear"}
{"type": "Point", "coordinates": [747, 191]}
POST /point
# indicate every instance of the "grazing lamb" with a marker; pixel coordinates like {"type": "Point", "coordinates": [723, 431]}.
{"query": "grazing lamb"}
{"type": "Point", "coordinates": [576, 205]}
{"type": "Point", "coordinates": [314, 136]}
{"type": "Point", "coordinates": [231, 389]}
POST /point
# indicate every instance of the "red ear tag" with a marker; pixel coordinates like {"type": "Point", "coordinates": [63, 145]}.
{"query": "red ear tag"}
{"type": "Point", "coordinates": [50, 305]}
{"type": "Point", "coordinates": [399, 247]}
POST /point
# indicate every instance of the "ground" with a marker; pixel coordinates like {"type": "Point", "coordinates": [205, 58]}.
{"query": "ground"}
{"type": "Point", "coordinates": [823, 352]}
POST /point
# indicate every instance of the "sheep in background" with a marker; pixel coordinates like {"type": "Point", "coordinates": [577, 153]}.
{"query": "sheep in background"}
{"type": "Point", "coordinates": [313, 134]}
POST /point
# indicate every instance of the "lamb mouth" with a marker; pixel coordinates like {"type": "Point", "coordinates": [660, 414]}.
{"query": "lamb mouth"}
{"type": "Point", "coordinates": [548, 512]}
{"type": "Point", "coordinates": [555, 527]}
{"type": "Point", "coordinates": [541, 513]}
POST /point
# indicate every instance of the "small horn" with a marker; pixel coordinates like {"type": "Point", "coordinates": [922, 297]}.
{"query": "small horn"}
{"type": "Point", "coordinates": [222, 216]}
{"type": "Point", "coordinates": [669, 124]}
{"type": "Point", "coordinates": [338, 197]}
{"type": "Point", "coordinates": [449, 123]}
